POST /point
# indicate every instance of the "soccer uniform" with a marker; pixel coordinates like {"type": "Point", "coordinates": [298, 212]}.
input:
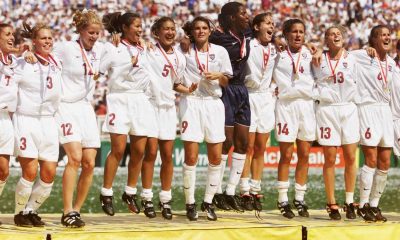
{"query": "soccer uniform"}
{"type": "Point", "coordinates": [336, 113]}
{"type": "Point", "coordinates": [295, 115]}
{"type": "Point", "coordinates": [200, 111]}
{"type": "Point", "coordinates": [8, 101]}
{"type": "Point", "coordinates": [259, 69]}
{"type": "Point", "coordinates": [39, 95]}
{"type": "Point", "coordinates": [395, 106]}
{"type": "Point", "coordinates": [75, 117]}
{"type": "Point", "coordinates": [373, 98]}
{"type": "Point", "coordinates": [165, 70]}
{"type": "Point", "coordinates": [128, 108]}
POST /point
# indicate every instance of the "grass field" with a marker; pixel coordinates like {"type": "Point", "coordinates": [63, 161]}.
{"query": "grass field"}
{"type": "Point", "coordinates": [315, 196]}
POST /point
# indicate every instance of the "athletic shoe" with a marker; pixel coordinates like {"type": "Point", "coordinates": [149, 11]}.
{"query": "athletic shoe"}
{"type": "Point", "coordinates": [257, 204]}
{"type": "Point", "coordinates": [247, 202]}
{"type": "Point", "coordinates": [166, 210]}
{"type": "Point", "coordinates": [130, 200]}
{"type": "Point", "coordinates": [191, 212]}
{"type": "Point", "coordinates": [22, 220]}
{"type": "Point", "coordinates": [333, 211]}
{"type": "Point", "coordinates": [107, 205]}
{"type": "Point", "coordinates": [376, 211]}
{"type": "Point", "coordinates": [301, 208]}
{"type": "Point", "coordinates": [350, 210]}
{"type": "Point", "coordinates": [366, 213]}
{"type": "Point", "coordinates": [234, 202]}
{"type": "Point", "coordinates": [285, 209]}
{"type": "Point", "coordinates": [72, 220]}
{"type": "Point", "coordinates": [220, 203]}
{"type": "Point", "coordinates": [35, 219]}
{"type": "Point", "coordinates": [148, 207]}
{"type": "Point", "coordinates": [210, 211]}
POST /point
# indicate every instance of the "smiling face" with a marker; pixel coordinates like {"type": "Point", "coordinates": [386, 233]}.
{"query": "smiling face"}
{"type": "Point", "coordinates": [166, 34]}
{"type": "Point", "coordinates": [89, 35]}
{"type": "Point", "coordinates": [241, 19]}
{"type": "Point", "coordinates": [295, 36]}
{"type": "Point", "coordinates": [201, 31]}
{"type": "Point", "coordinates": [133, 32]}
{"type": "Point", "coordinates": [265, 30]}
{"type": "Point", "coordinates": [334, 38]}
{"type": "Point", "coordinates": [43, 42]}
{"type": "Point", "coordinates": [6, 40]}
{"type": "Point", "coordinates": [382, 42]}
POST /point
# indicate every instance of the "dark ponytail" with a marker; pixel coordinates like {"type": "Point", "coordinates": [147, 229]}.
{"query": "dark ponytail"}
{"type": "Point", "coordinates": [114, 22]}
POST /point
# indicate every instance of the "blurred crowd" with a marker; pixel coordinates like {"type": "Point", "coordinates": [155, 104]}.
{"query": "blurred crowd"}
{"type": "Point", "coordinates": [358, 16]}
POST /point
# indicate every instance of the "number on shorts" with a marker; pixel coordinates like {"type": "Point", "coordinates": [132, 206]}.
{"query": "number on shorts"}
{"type": "Point", "coordinates": [49, 84]}
{"type": "Point", "coordinates": [367, 134]}
{"type": "Point", "coordinates": [165, 71]}
{"type": "Point", "coordinates": [339, 78]}
{"type": "Point", "coordinates": [111, 120]}
{"type": "Point", "coordinates": [67, 129]}
{"type": "Point", "coordinates": [185, 124]}
{"type": "Point", "coordinates": [7, 78]}
{"type": "Point", "coordinates": [22, 146]}
{"type": "Point", "coordinates": [325, 132]}
{"type": "Point", "coordinates": [283, 130]}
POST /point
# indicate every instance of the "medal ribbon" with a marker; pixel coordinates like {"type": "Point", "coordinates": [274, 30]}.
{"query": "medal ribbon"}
{"type": "Point", "coordinates": [330, 65]}
{"type": "Point", "coordinates": [297, 65]}
{"type": "Point", "coordinates": [129, 46]}
{"type": "Point", "coordinates": [5, 58]}
{"type": "Point", "coordinates": [243, 50]}
{"type": "Point", "coordinates": [384, 74]}
{"type": "Point", "coordinates": [85, 58]}
{"type": "Point", "coordinates": [166, 58]}
{"type": "Point", "coordinates": [50, 61]}
{"type": "Point", "coordinates": [202, 70]}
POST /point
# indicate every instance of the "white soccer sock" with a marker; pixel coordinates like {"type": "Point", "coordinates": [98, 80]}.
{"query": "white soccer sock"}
{"type": "Point", "coordinates": [300, 191]}
{"type": "Point", "coordinates": [366, 179]}
{"type": "Point", "coordinates": [283, 188]}
{"type": "Point", "coordinates": [2, 185]}
{"type": "Point", "coordinates": [378, 186]}
{"type": "Point", "coordinates": [349, 197]}
{"type": "Point", "coordinates": [255, 186]}
{"type": "Point", "coordinates": [235, 172]}
{"type": "Point", "coordinates": [244, 186]}
{"type": "Point", "coordinates": [165, 196]}
{"type": "Point", "coordinates": [147, 194]}
{"type": "Point", "coordinates": [130, 190]}
{"type": "Point", "coordinates": [107, 192]}
{"type": "Point", "coordinates": [23, 191]}
{"type": "Point", "coordinates": [224, 159]}
{"type": "Point", "coordinates": [213, 177]}
{"type": "Point", "coordinates": [189, 181]}
{"type": "Point", "coordinates": [40, 192]}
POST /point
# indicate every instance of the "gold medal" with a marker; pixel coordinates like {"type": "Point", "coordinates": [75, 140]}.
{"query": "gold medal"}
{"type": "Point", "coordinates": [96, 76]}
{"type": "Point", "coordinates": [387, 90]}
{"type": "Point", "coordinates": [296, 76]}
{"type": "Point", "coordinates": [134, 60]}
{"type": "Point", "coordinates": [331, 78]}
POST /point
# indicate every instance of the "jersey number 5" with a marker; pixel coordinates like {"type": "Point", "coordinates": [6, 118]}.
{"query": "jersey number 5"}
{"type": "Point", "coordinates": [166, 70]}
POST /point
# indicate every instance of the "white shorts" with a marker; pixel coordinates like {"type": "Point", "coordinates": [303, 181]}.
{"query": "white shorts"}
{"type": "Point", "coordinates": [337, 124]}
{"type": "Point", "coordinates": [128, 113]}
{"type": "Point", "coordinates": [36, 137]}
{"type": "Point", "coordinates": [165, 124]}
{"type": "Point", "coordinates": [202, 119]}
{"type": "Point", "coordinates": [6, 134]}
{"type": "Point", "coordinates": [376, 125]}
{"type": "Point", "coordinates": [295, 119]}
{"type": "Point", "coordinates": [396, 146]}
{"type": "Point", "coordinates": [262, 106]}
{"type": "Point", "coordinates": [77, 123]}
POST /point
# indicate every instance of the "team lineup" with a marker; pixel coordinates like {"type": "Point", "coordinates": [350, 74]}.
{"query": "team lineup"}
{"type": "Point", "coordinates": [237, 82]}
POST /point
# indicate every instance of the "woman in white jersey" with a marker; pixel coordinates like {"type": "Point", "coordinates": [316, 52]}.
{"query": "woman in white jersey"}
{"type": "Point", "coordinates": [166, 67]}
{"type": "Point", "coordinates": [36, 131]}
{"type": "Point", "coordinates": [202, 112]}
{"type": "Point", "coordinates": [395, 104]}
{"type": "Point", "coordinates": [76, 119]}
{"type": "Point", "coordinates": [259, 70]}
{"type": "Point", "coordinates": [295, 118]}
{"type": "Point", "coordinates": [128, 107]}
{"type": "Point", "coordinates": [8, 98]}
{"type": "Point", "coordinates": [337, 118]}
{"type": "Point", "coordinates": [374, 79]}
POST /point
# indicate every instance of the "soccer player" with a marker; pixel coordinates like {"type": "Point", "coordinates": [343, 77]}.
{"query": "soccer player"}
{"type": "Point", "coordinates": [258, 81]}
{"type": "Point", "coordinates": [295, 118]}
{"type": "Point", "coordinates": [202, 112]}
{"type": "Point", "coordinates": [166, 69]}
{"type": "Point", "coordinates": [36, 131]}
{"type": "Point", "coordinates": [374, 79]}
{"type": "Point", "coordinates": [78, 131]}
{"type": "Point", "coordinates": [337, 118]}
{"type": "Point", "coordinates": [234, 37]}
{"type": "Point", "coordinates": [395, 104]}
{"type": "Point", "coordinates": [128, 107]}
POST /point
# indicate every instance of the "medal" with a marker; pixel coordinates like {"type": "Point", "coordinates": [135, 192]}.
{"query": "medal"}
{"type": "Point", "coordinates": [203, 68]}
{"type": "Point", "coordinates": [296, 66]}
{"type": "Point", "coordinates": [243, 50]}
{"type": "Point", "coordinates": [134, 59]}
{"type": "Point", "coordinates": [296, 76]}
{"type": "Point", "coordinates": [87, 63]}
{"type": "Point", "coordinates": [333, 69]}
{"type": "Point", "coordinates": [384, 75]}
{"type": "Point", "coordinates": [96, 76]}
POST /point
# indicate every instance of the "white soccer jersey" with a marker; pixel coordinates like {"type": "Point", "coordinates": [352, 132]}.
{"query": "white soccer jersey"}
{"type": "Point", "coordinates": [8, 88]}
{"type": "Point", "coordinates": [39, 88]}
{"type": "Point", "coordinates": [340, 86]}
{"type": "Point", "coordinates": [290, 86]}
{"type": "Point", "coordinates": [123, 75]}
{"type": "Point", "coordinates": [373, 86]}
{"type": "Point", "coordinates": [163, 76]}
{"type": "Point", "coordinates": [77, 79]}
{"type": "Point", "coordinates": [395, 101]}
{"type": "Point", "coordinates": [260, 66]}
{"type": "Point", "coordinates": [215, 60]}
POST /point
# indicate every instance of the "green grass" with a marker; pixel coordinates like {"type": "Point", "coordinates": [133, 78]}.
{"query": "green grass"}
{"type": "Point", "coordinates": [315, 196]}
